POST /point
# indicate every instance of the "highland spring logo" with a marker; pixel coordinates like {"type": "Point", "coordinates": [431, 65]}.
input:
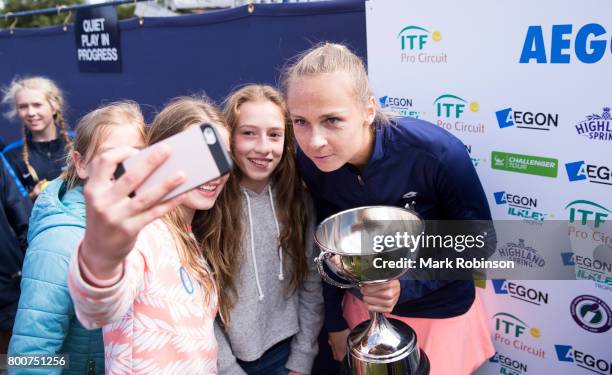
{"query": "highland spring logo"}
{"type": "Point", "coordinates": [400, 106]}
{"type": "Point", "coordinates": [596, 126]}
{"type": "Point", "coordinates": [522, 254]}
{"type": "Point", "coordinates": [414, 41]}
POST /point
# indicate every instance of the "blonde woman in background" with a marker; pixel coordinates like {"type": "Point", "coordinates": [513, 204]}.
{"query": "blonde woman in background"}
{"type": "Point", "coordinates": [40, 156]}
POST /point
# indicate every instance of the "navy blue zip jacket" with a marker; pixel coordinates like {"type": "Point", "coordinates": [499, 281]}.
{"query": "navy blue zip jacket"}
{"type": "Point", "coordinates": [14, 215]}
{"type": "Point", "coordinates": [415, 156]}
{"type": "Point", "coordinates": [47, 158]}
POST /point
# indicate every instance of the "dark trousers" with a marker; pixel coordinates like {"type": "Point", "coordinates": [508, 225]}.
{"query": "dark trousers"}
{"type": "Point", "coordinates": [272, 362]}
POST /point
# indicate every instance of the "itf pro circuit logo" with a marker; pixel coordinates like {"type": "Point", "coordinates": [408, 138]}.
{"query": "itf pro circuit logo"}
{"type": "Point", "coordinates": [526, 120]}
{"type": "Point", "coordinates": [511, 331]}
{"type": "Point", "coordinates": [582, 359]}
{"type": "Point", "coordinates": [416, 44]}
{"type": "Point", "coordinates": [597, 174]}
{"type": "Point", "coordinates": [450, 110]}
{"type": "Point", "coordinates": [591, 313]}
{"type": "Point", "coordinates": [520, 205]}
{"type": "Point", "coordinates": [596, 126]}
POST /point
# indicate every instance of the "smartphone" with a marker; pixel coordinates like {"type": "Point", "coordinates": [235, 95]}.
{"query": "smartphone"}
{"type": "Point", "coordinates": [198, 151]}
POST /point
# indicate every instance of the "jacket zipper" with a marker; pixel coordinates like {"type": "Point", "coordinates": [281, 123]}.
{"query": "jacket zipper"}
{"type": "Point", "coordinates": [91, 367]}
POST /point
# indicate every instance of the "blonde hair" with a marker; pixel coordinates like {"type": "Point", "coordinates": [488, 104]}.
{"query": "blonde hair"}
{"type": "Point", "coordinates": [53, 95]}
{"type": "Point", "coordinates": [332, 58]}
{"type": "Point", "coordinates": [291, 197]}
{"type": "Point", "coordinates": [213, 229]}
{"type": "Point", "coordinates": [93, 129]}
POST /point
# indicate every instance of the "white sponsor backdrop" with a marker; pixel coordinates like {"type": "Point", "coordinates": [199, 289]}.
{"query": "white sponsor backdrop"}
{"type": "Point", "coordinates": [458, 65]}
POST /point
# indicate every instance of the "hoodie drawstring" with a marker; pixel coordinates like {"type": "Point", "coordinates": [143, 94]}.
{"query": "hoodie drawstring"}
{"type": "Point", "coordinates": [281, 276]}
{"type": "Point", "coordinates": [259, 290]}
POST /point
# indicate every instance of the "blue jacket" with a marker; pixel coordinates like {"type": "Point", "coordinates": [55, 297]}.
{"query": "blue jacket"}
{"type": "Point", "coordinates": [47, 158]}
{"type": "Point", "coordinates": [411, 156]}
{"type": "Point", "coordinates": [45, 321]}
{"type": "Point", "coordinates": [14, 213]}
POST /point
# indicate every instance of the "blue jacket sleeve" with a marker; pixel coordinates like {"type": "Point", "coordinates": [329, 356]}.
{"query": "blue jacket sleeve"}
{"type": "Point", "coordinates": [334, 321]}
{"type": "Point", "coordinates": [45, 307]}
{"type": "Point", "coordinates": [17, 206]}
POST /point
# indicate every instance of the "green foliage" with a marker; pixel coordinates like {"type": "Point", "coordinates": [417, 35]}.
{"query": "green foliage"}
{"type": "Point", "coordinates": [123, 11]}
{"type": "Point", "coordinates": [39, 20]}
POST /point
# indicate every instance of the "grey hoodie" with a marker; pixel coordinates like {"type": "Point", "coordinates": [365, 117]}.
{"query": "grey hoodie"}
{"type": "Point", "coordinates": [264, 313]}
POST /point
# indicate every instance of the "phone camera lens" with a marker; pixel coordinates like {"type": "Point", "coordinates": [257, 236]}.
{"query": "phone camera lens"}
{"type": "Point", "coordinates": [209, 135]}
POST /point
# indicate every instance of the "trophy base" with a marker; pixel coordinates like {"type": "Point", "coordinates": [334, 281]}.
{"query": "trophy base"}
{"type": "Point", "coordinates": [358, 367]}
{"type": "Point", "coordinates": [384, 346]}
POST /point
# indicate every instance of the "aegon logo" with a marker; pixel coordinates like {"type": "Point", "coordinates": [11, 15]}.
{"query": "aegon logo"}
{"type": "Point", "coordinates": [401, 106]}
{"type": "Point", "coordinates": [588, 268]}
{"type": "Point", "coordinates": [475, 161]}
{"type": "Point", "coordinates": [579, 170]}
{"type": "Point", "coordinates": [589, 44]}
{"type": "Point", "coordinates": [526, 120]}
{"type": "Point", "coordinates": [521, 292]}
{"type": "Point", "coordinates": [566, 353]}
{"type": "Point", "coordinates": [416, 37]}
{"type": "Point", "coordinates": [520, 206]}
{"type": "Point", "coordinates": [584, 211]}
{"type": "Point", "coordinates": [508, 366]}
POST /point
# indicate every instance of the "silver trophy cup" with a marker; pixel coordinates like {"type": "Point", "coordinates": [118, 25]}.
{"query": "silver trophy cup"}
{"type": "Point", "coordinates": [351, 248]}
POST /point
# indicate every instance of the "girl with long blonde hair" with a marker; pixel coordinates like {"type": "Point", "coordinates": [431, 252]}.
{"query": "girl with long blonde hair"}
{"type": "Point", "coordinates": [40, 156]}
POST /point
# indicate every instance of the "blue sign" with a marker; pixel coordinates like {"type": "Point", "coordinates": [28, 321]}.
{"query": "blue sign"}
{"type": "Point", "coordinates": [97, 40]}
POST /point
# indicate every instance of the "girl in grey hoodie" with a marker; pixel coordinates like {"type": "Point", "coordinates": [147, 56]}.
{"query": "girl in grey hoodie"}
{"type": "Point", "coordinates": [271, 305]}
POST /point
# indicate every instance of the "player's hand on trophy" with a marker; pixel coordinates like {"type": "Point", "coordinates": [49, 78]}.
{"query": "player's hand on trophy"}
{"type": "Point", "coordinates": [337, 341]}
{"type": "Point", "coordinates": [381, 297]}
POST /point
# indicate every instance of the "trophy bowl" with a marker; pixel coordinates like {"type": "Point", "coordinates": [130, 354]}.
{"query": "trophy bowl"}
{"type": "Point", "coordinates": [347, 241]}
{"type": "Point", "coordinates": [368, 245]}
